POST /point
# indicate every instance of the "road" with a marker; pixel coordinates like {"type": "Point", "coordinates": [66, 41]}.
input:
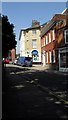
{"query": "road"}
{"type": "Point", "coordinates": [32, 92]}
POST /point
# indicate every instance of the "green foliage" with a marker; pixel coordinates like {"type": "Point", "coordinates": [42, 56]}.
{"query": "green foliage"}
{"type": "Point", "coordinates": [8, 36]}
{"type": "Point", "coordinates": [17, 55]}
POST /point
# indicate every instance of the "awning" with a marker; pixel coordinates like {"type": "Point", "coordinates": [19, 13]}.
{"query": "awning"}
{"type": "Point", "coordinates": [34, 52]}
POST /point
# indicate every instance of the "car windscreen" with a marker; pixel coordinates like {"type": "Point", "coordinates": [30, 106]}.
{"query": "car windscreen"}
{"type": "Point", "coordinates": [28, 58]}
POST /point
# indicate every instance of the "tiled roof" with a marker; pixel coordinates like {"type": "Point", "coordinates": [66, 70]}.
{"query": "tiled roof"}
{"type": "Point", "coordinates": [33, 27]}
{"type": "Point", "coordinates": [48, 26]}
{"type": "Point", "coordinates": [51, 23]}
{"type": "Point", "coordinates": [30, 28]}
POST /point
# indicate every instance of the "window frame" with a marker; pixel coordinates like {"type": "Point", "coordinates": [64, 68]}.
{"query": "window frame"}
{"type": "Point", "coordinates": [54, 56]}
{"type": "Point", "coordinates": [65, 36]}
{"type": "Point", "coordinates": [46, 39]}
{"type": "Point", "coordinates": [50, 56]}
{"type": "Point", "coordinates": [53, 33]}
{"type": "Point", "coordinates": [34, 32]}
{"type": "Point", "coordinates": [49, 37]}
{"type": "Point", "coordinates": [46, 57]}
{"type": "Point", "coordinates": [34, 40]}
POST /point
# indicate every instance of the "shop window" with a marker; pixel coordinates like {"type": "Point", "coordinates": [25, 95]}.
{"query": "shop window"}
{"type": "Point", "coordinates": [66, 36]}
{"type": "Point", "coordinates": [63, 60]}
{"type": "Point", "coordinates": [35, 55]}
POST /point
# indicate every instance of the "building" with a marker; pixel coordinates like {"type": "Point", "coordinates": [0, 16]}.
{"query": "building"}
{"type": "Point", "coordinates": [30, 44]}
{"type": "Point", "coordinates": [12, 54]}
{"type": "Point", "coordinates": [54, 42]}
{"type": "Point", "coordinates": [62, 30]}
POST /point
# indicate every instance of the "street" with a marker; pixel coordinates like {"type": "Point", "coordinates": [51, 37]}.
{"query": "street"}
{"type": "Point", "coordinates": [33, 92]}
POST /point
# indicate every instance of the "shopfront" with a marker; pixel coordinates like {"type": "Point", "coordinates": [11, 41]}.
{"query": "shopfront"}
{"type": "Point", "coordinates": [35, 56]}
{"type": "Point", "coordinates": [63, 59]}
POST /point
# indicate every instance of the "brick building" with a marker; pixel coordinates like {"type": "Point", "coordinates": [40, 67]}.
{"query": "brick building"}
{"type": "Point", "coordinates": [12, 54]}
{"type": "Point", "coordinates": [54, 41]}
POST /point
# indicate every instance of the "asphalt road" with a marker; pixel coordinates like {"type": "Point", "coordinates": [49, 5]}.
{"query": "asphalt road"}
{"type": "Point", "coordinates": [33, 93]}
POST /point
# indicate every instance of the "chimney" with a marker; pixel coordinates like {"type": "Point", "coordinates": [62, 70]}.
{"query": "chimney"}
{"type": "Point", "coordinates": [35, 23]}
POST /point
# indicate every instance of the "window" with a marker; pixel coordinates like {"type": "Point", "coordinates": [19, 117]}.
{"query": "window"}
{"type": "Point", "coordinates": [27, 40]}
{"type": "Point", "coordinates": [46, 57]}
{"type": "Point", "coordinates": [50, 56]}
{"type": "Point", "coordinates": [53, 34]}
{"type": "Point", "coordinates": [34, 43]}
{"type": "Point", "coordinates": [63, 58]}
{"type": "Point", "coordinates": [53, 56]}
{"type": "Point", "coordinates": [49, 37]}
{"type": "Point", "coordinates": [33, 31]}
{"type": "Point", "coordinates": [66, 36]}
{"type": "Point", "coordinates": [43, 42]}
{"type": "Point", "coordinates": [46, 40]}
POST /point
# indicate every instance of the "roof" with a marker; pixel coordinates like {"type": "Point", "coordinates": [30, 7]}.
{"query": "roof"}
{"type": "Point", "coordinates": [47, 27]}
{"type": "Point", "coordinates": [65, 11]}
{"type": "Point", "coordinates": [51, 23]}
{"type": "Point", "coordinates": [30, 28]}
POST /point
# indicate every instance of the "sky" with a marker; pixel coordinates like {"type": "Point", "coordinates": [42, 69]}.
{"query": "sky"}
{"type": "Point", "coordinates": [21, 14]}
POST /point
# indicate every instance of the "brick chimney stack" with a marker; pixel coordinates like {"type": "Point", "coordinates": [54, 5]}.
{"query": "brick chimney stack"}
{"type": "Point", "coordinates": [35, 23]}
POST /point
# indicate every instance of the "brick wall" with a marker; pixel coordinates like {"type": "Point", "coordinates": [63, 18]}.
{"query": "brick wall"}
{"type": "Point", "coordinates": [13, 53]}
{"type": "Point", "coordinates": [59, 28]}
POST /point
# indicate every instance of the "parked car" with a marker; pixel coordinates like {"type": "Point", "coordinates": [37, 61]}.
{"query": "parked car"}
{"type": "Point", "coordinates": [6, 60]}
{"type": "Point", "coordinates": [25, 61]}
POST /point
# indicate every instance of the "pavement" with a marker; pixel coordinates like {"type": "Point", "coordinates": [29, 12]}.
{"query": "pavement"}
{"type": "Point", "coordinates": [40, 68]}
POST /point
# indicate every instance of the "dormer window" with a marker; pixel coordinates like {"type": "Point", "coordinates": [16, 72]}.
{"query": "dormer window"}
{"type": "Point", "coordinates": [66, 36]}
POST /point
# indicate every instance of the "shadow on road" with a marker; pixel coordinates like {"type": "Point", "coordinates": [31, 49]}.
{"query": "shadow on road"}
{"type": "Point", "coordinates": [22, 99]}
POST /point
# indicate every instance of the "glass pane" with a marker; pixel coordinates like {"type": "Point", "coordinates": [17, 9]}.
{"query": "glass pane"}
{"type": "Point", "coordinates": [34, 43]}
{"type": "Point", "coordinates": [63, 60]}
{"type": "Point", "coordinates": [67, 36]}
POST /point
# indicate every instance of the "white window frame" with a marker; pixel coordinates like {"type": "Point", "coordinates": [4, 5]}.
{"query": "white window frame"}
{"type": "Point", "coordinates": [46, 39]}
{"type": "Point", "coordinates": [65, 36]}
{"type": "Point", "coordinates": [34, 40]}
{"type": "Point", "coordinates": [50, 56]}
{"type": "Point", "coordinates": [53, 33]}
{"type": "Point", "coordinates": [49, 37]}
{"type": "Point", "coordinates": [46, 57]}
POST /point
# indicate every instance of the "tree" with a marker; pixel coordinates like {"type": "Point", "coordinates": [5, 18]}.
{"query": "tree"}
{"type": "Point", "coordinates": [8, 36]}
